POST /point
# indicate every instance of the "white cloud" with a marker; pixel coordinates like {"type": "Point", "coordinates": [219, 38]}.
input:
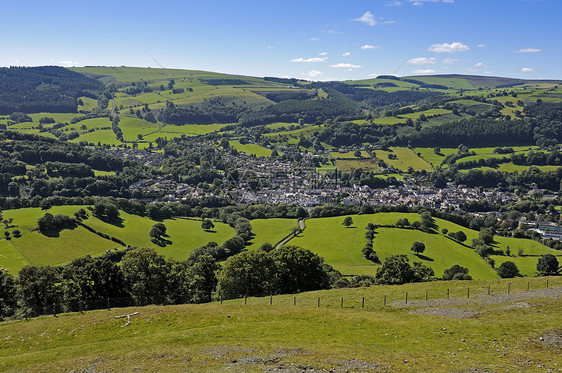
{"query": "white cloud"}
{"type": "Point", "coordinates": [422, 61]}
{"type": "Point", "coordinates": [481, 45]}
{"type": "Point", "coordinates": [314, 73]}
{"type": "Point", "coordinates": [346, 54]}
{"type": "Point", "coordinates": [450, 61]}
{"type": "Point", "coordinates": [527, 70]}
{"type": "Point", "coordinates": [480, 64]}
{"type": "Point", "coordinates": [368, 46]}
{"type": "Point", "coordinates": [417, 3]}
{"type": "Point", "coordinates": [424, 71]}
{"type": "Point", "coordinates": [393, 3]}
{"type": "Point", "coordinates": [388, 22]}
{"type": "Point", "coordinates": [314, 39]}
{"type": "Point", "coordinates": [69, 63]}
{"type": "Point", "coordinates": [449, 48]}
{"type": "Point", "coordinates": [367, 18]}
{"type": "Point", "coordinates": [309, 60]}
{"type": "Point", "coordinates": [487, 72]}
{"type": "Point", "coordinates": [270, 47]}
{"type": "Point", "coordinates": [322, 54]}
{"type": "Point", "coordinates": [332, 32]}
{"type": "Point", "coordinates": [528, 50]}
{"type": "Point", "coordinates": [346, 66]}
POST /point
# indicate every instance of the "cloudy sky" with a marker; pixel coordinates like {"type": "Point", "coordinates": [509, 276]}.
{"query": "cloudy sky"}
{"type": "Point", "coordinates": [316, 40]}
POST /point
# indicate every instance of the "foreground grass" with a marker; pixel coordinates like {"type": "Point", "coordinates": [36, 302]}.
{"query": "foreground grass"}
{"type": "Point", "coordinates": [258, 336]}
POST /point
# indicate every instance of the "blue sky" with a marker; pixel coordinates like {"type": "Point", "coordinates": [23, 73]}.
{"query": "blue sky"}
{"type": "Point", "coordinates": [317, 40]}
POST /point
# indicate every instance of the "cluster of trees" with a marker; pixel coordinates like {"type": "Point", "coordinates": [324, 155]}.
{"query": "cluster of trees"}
{"type": "Point", "coordinates": [397, 270]}
{"type": "Point", "coordinates": [214, 111]}
{"type": "Point", "coordinates": [43, 89]}
{"type": "Point", "coordinates": [148, 277]}
{"type": "Point", "coordinates": [48, 222]}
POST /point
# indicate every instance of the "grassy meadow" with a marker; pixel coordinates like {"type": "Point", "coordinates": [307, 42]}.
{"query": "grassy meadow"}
{"type": "Point", "coordinates": [258, 336]}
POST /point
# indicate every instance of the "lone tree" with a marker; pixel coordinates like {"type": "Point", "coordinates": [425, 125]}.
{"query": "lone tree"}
{"type": "Point", "coordinates": [547, 265]}
{"type": "Point", "coordinates": [418, 247]}
{"type": "Point", "coordinates": [508, 270]}
{"type": "Point", "coordinates": [347, 221]}
{"type": "Point", "coordinates": [157, 231]}
{"type": "Point", "coordinates": [207, 224]}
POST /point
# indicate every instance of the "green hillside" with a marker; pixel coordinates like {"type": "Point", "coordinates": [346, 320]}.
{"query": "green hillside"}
{"type": "Point", "coordinates": [518, 331]}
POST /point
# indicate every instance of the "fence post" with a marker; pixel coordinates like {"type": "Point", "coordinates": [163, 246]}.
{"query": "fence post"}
{"type": "Point", "coordinates": [318, 301]}
{"type": "Point", "coordinates": [467, 293]}
{"type": "Point", "coordinates": [527, 285]}
{"type": "Point", "coordinates": [447, 293]}
{"type": "Point", "coordinates": [341, 304]}
{"type": "Point", "coordinates": [294, 301]}
{"type": "Point", "coordinates": [426, 294]}
{"type": "Point", "coordinates": [547, 283]}
{"type": "Point", "coordinates": [270, 300]}
{"type": "Point", "coordinates": [108, 303]}
{"type": "Point", "coordinates": [508, 287]}
{"type": "Point", "coordinates": [363, 302]}
{"type": "Point", "coordinates": [488, 289]}
{"type": "Point", "coordinates": [406, 298]}
{"type": "Point", "coordinates": [221, 298]}
{"type": "Point", "coordinates": [245, 299]}
{"type": "Point", "coordinates": [385, 299]}
{"type": "Point", "coordinates": [54, 309]}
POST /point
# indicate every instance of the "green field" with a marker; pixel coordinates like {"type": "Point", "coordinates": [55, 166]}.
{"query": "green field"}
{"type": "Point", "coordinates": [184, 234]}
{"type": "Point", "coordinates": [349, 155]}
{"type": "Point", "coordinates": [341, 247]}
{"type": "Point", "coordinates": [36, 248]}
{"type": "Point", "coordinates": [270, 230]}
{"type": "Point", "coordinates": [366, 164]}
{"type": "Point", "coordinates": [258, 337]}
{"type": "Point", "coordinates": [405, 158]}
{"type": "Point", "coordinates": [258, 151]}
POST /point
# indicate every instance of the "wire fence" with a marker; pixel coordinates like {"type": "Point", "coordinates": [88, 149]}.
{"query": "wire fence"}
{"type": "Point", "coordinates": [377, 298]}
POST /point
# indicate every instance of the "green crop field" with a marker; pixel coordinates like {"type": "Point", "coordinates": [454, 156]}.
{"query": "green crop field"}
{"type": "Point", "coordinates": [258, 151]}
{"type": "Point", "coordinates": [502, 336]}
{"type": "Point", "coordinates": [405, 158]}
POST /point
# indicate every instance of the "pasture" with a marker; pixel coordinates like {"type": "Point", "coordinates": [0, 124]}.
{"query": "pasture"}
{"type": "Point", "coordinates": [339, 337]}
{"type": "Point", "coordinates": [405, 158]}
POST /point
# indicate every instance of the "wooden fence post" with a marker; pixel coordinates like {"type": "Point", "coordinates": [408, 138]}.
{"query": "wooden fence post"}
{"type": "Point", "coordinates": [406, 298]}
{"type": "Point", "coordinates": [447, 293]}
{"type": "Point", "coordinates": [385, 299]}
{"type": "Point", "coordinates": [363, 302]}
{"type": "Point", "coordinates": [426, 294]}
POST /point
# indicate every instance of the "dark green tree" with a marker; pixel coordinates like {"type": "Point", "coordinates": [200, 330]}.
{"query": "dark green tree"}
{"type": "Point", "coordinates": [299, 270]}
{"type": "Point", "coordinates": [37, 289]}
{"type": "Point", "coordinates": [418, 247]}
{"type": "Point", "coordinates": [251, 273]}
{"type": "Point", "coordinates": [508, 270]}
{"type": "Point", "coordinates": [207, 224]}
{"type": "Point", "coordinates": [7, 294]}
{"type": "Point", "coordinates": [347, 221]}
{"type": "Point", "coordinates": [456, 272]}
{"type": "Point", "coordinates": [145, 275]}
{"type": "Point", "coordinates": [547, 265]}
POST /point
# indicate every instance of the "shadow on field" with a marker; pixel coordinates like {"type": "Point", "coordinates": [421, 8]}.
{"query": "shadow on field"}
{"type": "Point", "coordinates": [427, 258]}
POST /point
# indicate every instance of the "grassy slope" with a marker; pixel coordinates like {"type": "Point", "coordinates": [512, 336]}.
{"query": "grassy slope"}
{"type": "Point", "coordinates": [405, 158]}
{"type": "Point", "coordinates": [214, 337]}
{"type": "Point", "coordinates": [270, 230]}
{"type": "Point", "coordinates": [341, 247]}
{"type": "Point", "coordinates": [257, 150]}
{"type": "Point", "coordinates": [184, 234]}
{"type": "Point", "coordinates": [38, 249]}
